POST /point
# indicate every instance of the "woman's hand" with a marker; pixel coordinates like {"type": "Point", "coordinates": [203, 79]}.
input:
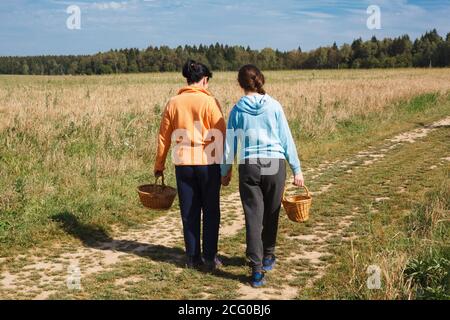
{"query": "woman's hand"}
{"type": "Point", "coordinates": [158, 174]}
{"type": "Point", "coordinates": [299, 181]}
{"type": "Point", "coordinates": [227, 179]}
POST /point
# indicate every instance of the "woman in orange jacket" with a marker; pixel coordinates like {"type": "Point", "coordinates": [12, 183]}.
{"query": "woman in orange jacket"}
{"type": "Point", "coordinates": [193, 120]}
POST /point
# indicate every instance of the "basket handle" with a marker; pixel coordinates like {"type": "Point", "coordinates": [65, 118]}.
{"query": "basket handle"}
{"type": "Point", "coordinates": [162, 178]}
{"type": "Point", "coordinates": [304, 187]}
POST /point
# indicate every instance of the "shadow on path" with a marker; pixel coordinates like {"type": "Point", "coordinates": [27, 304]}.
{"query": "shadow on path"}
{"type": "Point", "coordinates": [96, 237]}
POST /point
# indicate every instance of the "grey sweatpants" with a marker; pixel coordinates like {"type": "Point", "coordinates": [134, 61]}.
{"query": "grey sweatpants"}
{"type": "Point", "coordinates": [261, 199]}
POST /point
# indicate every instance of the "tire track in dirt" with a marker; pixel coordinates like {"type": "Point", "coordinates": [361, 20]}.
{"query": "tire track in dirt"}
{"type": "Point", "coordinates": [44, 274]}
{"type": "Point", "coordinates": [312, 248]}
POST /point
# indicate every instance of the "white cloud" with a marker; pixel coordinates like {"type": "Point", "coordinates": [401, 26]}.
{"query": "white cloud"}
{"type": "Point", "coordinates": [315, 14]}
{"type": "Point", "coordinates": [109, 5]}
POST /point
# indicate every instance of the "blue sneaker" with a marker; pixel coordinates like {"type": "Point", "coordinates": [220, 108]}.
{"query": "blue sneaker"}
{"type": "Point", "coordinates": [258, 280]}
{"type": "Point", "coordinates": [269, 263]}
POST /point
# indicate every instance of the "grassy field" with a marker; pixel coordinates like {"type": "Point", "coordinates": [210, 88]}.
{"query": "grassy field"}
{"type": "Point", "coordinates": [375, 150]}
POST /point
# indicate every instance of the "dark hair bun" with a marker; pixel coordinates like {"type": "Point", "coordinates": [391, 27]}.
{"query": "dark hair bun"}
{"type": "Point", "coordinates": [194, 71]}
{"type": "Point", "coordinates": [251, 79]}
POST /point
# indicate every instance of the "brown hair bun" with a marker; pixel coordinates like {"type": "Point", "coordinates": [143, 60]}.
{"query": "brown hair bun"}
{"type": "Point", "coordinates": [251, 79]}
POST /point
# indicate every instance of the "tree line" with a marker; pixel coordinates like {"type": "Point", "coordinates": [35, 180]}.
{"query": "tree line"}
{"type": "Point", "coordinates": [429, 50]}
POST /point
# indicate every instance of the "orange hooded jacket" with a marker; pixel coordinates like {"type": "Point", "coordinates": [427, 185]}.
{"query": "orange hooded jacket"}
{"type": "Point", "coordinates": [194, 120]}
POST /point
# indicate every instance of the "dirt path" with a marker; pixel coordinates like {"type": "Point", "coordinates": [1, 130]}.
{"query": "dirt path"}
{"type": "Point", "coordinates": [42, 269]}
{"type": "Point", "coordinates": [43, 272]}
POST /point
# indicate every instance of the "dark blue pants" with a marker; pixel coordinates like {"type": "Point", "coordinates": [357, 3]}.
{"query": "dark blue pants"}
{"type": "Point", "coordinates": [199, 190]}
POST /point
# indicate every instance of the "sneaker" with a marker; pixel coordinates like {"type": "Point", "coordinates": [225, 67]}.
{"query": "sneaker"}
{"type": "Point", "coordinates": [194, 263]}
{"type": "Point", "coordinates": [269, 263]}
{"type": "Point", "coordinates": [212, 265]}
{"type": "Point", "coordinates": [258, 280]}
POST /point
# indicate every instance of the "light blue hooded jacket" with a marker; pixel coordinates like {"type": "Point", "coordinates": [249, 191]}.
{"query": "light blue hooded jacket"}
{"type": "Point", "coordinates": [258, 125]}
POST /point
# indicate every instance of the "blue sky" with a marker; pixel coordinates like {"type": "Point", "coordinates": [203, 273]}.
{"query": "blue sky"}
{"type": "Point", "coordinates": [34, 27]}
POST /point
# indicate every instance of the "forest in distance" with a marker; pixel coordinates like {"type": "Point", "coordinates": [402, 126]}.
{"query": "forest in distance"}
{"type": "Point", "coordinates": [429, 50]}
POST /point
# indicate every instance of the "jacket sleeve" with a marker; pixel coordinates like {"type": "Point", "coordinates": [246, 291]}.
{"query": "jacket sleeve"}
{"type": "Point", "coordinates": [164, 139]}
{"type": "Point", "coordinates": [217, 120]}
{"type": "Point", "coordinates": [231, 144]}
{"type": "Point", "coordinates": [290, 151]}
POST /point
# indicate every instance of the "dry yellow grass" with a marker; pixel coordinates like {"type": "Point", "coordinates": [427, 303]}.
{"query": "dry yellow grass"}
{"type": "Point", "coordinates": [338, 94]}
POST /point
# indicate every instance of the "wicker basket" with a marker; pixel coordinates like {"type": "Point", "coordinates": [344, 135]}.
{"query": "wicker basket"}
{"type": "Point", "coordinates": [155, 196]}
{"type": "Point", "coordinates": [297, 207]}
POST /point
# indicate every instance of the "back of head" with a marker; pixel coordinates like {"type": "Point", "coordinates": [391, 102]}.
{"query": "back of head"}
{"type": "Point", "coordinates": [194, 71]}
{"type": "Point", "coordinates": [251, 79]}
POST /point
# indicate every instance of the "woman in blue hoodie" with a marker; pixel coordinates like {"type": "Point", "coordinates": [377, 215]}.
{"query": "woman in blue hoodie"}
{"type": "Point", "coordinates": [257, 125]}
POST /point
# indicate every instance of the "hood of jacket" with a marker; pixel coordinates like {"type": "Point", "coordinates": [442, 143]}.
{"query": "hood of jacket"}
{"type": "Point", "coordinates": [253, 105]}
